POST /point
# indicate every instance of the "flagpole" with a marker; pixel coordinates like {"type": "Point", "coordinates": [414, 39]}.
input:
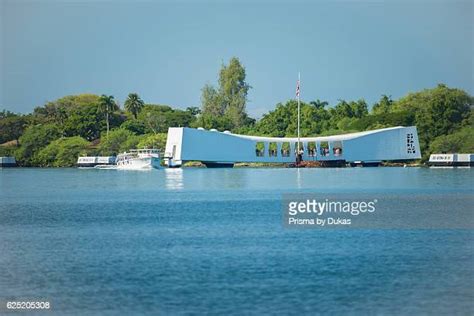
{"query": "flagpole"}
{"type": "Point", "coordinates": [299, 83]}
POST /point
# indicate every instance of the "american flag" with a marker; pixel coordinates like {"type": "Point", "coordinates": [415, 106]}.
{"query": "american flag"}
{"type": "Point", "coordinates": [298, 89]}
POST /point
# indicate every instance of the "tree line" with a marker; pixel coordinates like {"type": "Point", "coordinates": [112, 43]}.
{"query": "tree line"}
{"type": "Point", "coordinates": [443, 117]}
{"type": "Point", "coordinates": [56, 133]}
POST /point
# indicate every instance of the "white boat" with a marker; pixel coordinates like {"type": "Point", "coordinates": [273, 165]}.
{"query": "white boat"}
{"type": "Point", "coordinates": [139, 159]}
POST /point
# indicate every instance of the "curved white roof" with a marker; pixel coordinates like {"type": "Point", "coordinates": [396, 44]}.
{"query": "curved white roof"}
{"type": "Point", "coordinates": [188, 144]}
{"type": "Point", "coordinates": [320, 138]}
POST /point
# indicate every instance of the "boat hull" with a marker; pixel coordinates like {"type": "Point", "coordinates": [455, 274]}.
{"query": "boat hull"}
{"type": "Point", "coordinates": [145, 163]}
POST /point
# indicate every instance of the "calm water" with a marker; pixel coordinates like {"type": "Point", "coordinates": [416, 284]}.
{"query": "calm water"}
{"type": "Point", "coordinates": [212, 240]}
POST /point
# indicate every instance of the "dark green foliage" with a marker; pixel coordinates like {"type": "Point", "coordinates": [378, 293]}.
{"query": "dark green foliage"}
{"type": "Point", "coordinates": [12, 127]}
{"type": "Point", "coordinates": [135, 126]}
{"type": "Point", "coordinates": [107, 106]}
{"type": "Point", "coordinates": [374, 121]}
{"type": "Point", "coordinates": [153, 141]}
{"type": "Point", "coordinates": [134, 104]}
{"type": "Point", "coordinates": [74, 115]}
{"type": "Point", "coordinates": [157, 118]}
{"type": "Point", "coordinates": [345, 112]}
{"type": "Point", "coordinates": [6, 113]}
{"type": "Point", "coordinates": [33, 139]}
{"type": "Point", "coordinates": [461, 141]}
{"type": "Point", "coordinates": [58, 111]}
{"type": "Point", "coordinates": [177, 118]}
{"type": "Point", "coordinates": [193, 110]}
{"type": "Point", "coordinates": [209, 121]}
{"type": "Point", "coordinates": [62, 152]}
{"type": "Point", "coordinates": [117, 141]}
{"type": "Point", "coordinates": [84, 121]}
{"type": "Point", "coordinates": [383, 106]}
{"type": "Point", "coordinates": [439, 111]}
{"type": "Point", "coordinates": [283, 120]}
{"type": "Point", "coordinates": [7, 151]}
{"type": "Point", "coordinates": [228, 101]}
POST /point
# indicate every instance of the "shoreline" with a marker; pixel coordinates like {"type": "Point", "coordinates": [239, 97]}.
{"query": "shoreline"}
{"type": "Point", "coordinates": [242, 166]}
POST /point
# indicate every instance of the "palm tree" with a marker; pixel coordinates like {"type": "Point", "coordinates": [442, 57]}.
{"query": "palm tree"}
{"type": "Point", "coordinates": [134, 104]}
{"type": "Point", "coordinates": [319, 104]}
{"type": "Point", "coordinates": [107, 105]}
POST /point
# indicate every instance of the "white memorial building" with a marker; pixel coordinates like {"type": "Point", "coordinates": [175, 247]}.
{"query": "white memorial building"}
{"type": "Point", "coordinates": [219, 149]}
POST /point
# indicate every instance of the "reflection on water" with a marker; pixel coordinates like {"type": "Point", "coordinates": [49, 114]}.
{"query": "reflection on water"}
{"type": "Point", "coordinates": [174, 179]}
{"type": "Point", "coordinates": [298, 178]}
{"type": "Point", "coordinates": [234, 180]}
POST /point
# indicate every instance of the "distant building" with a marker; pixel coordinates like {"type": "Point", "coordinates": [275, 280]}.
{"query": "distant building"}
{"type": "Point", "coordinates": [7, 162]}
{"type": "Point", "coordinates": [454, 160]}
{"type": "Point", "coordinates": [216, 149]}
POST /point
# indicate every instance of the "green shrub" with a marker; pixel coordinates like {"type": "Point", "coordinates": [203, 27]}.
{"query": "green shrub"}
{"type": "Point", "coordinates": [153, 141]}
{"type": "Point", "coordinates": [33, 139]}
{"type": "Point", "coordinates": [119, 140]}
{"type": "Point", "coordinates": [62, 152]}
{"type": "Point", "coordinates": [134, 126]}
{"type": "Point", "coordinates": [461, 141]}
{"type": "Point", "coordinates": [7, 150]}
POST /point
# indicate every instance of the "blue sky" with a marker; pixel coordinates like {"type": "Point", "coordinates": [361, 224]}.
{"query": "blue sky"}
{"type": "Point", "coordinates": [167, 51]}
